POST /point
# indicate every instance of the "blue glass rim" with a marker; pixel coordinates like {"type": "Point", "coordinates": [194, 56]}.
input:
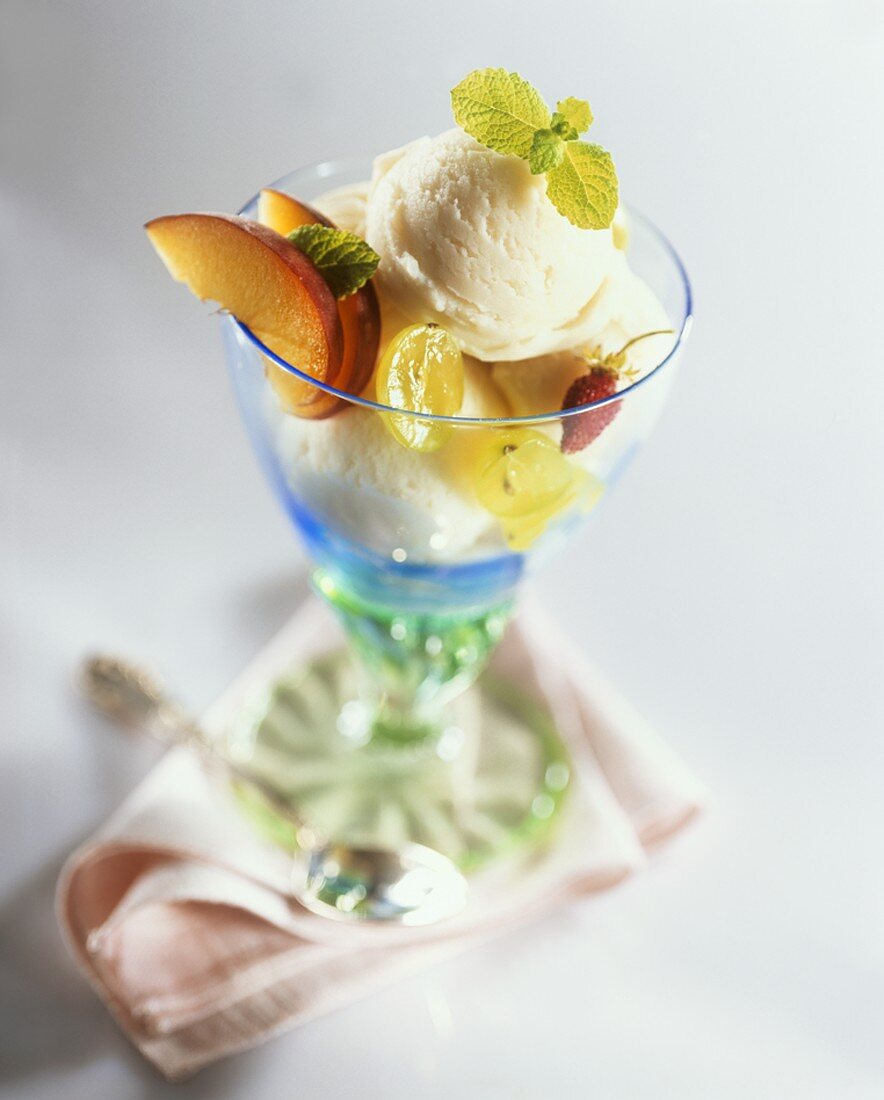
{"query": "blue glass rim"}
{"type": "Point", "coordinates": [328, 169]}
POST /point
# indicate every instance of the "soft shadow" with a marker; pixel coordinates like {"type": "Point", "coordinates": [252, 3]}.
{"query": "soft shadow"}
{"type": "Point", "coordinates": [52, 1022]}
{"type": "Point", "coordinates": [44, 1004]}
{"type": "Point", "coordinates": [265, 606]}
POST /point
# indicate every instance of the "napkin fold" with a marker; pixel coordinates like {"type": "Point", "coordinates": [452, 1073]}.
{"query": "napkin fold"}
{"type": "Point", "coordinates": [182, 918]}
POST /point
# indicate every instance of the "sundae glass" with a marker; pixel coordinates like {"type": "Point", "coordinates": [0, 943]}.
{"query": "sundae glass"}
{"type": "Point", "coordinates": [435, 434]}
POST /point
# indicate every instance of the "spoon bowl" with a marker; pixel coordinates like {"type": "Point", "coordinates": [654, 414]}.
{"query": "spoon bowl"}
{"type": "Point", "coordinates": [412, 886]}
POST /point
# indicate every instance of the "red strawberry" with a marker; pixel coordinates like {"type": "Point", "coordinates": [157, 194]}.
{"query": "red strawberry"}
{"type": "Point", "coordinates": [579, 431]}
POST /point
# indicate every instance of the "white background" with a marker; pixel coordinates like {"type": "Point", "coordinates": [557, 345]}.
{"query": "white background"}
{"type": "Point", "coordinates": [733, 587]}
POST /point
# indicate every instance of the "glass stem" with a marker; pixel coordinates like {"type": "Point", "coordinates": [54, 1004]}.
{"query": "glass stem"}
{"type": "Point", "coordinates": [412, 665]}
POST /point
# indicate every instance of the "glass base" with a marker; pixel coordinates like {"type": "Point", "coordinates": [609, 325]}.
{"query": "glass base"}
{"type": "Point", "coordinates": [488, 781]}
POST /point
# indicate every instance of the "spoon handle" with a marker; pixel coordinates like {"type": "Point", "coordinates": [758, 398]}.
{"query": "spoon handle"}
{"type": "Point", "coordinates": [133, 698]}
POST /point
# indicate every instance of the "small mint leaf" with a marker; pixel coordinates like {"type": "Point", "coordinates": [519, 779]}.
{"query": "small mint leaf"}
{"type": "Point", "coordinates": [500, 110]}
{"type": "Point", "coordinates": [547, 151]}
{"type": "Point", "coordinates": [577, 112]}
{"type": "Point", "coordinates": [561, 126]}
{"type": "Point", "coordinates": [345, 261]}
{"type": "Point", "coordinates": [584, 186]}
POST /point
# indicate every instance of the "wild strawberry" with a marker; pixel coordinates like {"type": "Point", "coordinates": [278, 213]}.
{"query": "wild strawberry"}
{"type": "Point", "coordinates": [600, 382]}
{"type": "Point", "coordinates": [579, 431]}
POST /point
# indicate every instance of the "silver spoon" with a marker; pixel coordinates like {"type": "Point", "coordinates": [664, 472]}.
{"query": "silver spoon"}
{"type": "Point", "coordinates": [411, 885]}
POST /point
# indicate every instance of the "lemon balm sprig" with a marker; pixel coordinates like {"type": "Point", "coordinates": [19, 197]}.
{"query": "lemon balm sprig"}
{"type": "Point", "coordinates": [504, 112]}
{"type": "Point", "coordinates": [345, 261]}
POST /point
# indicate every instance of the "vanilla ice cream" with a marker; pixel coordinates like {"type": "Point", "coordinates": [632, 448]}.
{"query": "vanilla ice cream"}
{"type": "Point", "coordinates": [350, 470]}
{"type": "Point", "coordinates": [345, 206]}
{"type": "Point", "coordinates": [469, 239]}
{"type": "Point", "coordinates": [624, 308]}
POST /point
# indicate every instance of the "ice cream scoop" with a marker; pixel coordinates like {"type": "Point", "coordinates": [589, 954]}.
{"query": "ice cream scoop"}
{"type": "Point", "coordinates": [468, 238]}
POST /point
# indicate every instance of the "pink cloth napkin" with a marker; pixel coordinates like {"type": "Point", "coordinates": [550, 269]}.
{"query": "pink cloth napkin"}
{"type": "Point", "coordinates": [181, 917]}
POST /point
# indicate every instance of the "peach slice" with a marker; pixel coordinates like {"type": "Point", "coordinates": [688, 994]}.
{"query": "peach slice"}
{"type": "Point", "coordinates": [264, 281]}
{"type": "Point", "coordinates": [361, 322]}
{"type": "Point", "coordinates": [283, 213]}
{"type": "Point", "coordinates": [359, 312]}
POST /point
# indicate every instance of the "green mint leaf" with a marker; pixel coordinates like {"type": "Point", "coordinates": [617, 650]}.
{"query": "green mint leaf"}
{"type": "Point", "coordinates": [505, 113]}
{"type": "Point", "coordinates": [547, 151]}
{"type": "Point", "coordinates": [345, 261]}
{"type": "Point", "coordinates": [577, 112]}
{"type": "Point", "coordinates": [500, 110]}
{"type": "Point", "coordinates": [584, 186]}
{"type": "Point", "coordinates": [561, 126]}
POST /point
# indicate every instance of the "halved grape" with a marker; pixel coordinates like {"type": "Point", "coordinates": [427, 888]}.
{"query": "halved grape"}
{"type": "Point", "coordinates": [583, 492]}
{"type": "Point", "coordinates": [518, 471]}
{"type": "Point", "coordinates": [421, 370]}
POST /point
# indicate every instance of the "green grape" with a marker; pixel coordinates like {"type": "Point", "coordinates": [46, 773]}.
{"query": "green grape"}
{"type": "Point", "coordinates": [584, 491]}
{"type": "Point", "coordinates": [421, 370]}
{"type": "Point", "coordinates": [520, 471]}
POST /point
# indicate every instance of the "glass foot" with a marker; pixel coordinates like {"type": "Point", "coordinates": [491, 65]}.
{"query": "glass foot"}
{"type": "Point", "coordinates": [489, 781]}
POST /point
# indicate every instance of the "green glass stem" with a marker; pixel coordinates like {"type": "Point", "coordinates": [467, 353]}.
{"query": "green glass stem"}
{"type": "Point", "coordinates": [412, 665]}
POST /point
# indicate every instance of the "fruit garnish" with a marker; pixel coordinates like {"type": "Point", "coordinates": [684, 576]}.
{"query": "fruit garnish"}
{"type": "Point", "coordinates": [284, 213]}
{"type": "Point", "coordinates": [504, 112]}
{"type": "Point", "coordinates": [521, 476]}
{"type": "Point", "coordinates": [361, 322]}
{"type": "Point", "coordinates": [359, 313]}
{"type": "Point", "coordinates": [520, 471]}
{"type": "Point", "coordinates": [264, 281]}
{"type": "Point", "coordinates": [598, 383]}
{"type": "Point", "coordinates": [579, 431]}
{"type": "Point", "coordinates": [421, 370]}
{"type": "Point", "coordinates": [584, 492]}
